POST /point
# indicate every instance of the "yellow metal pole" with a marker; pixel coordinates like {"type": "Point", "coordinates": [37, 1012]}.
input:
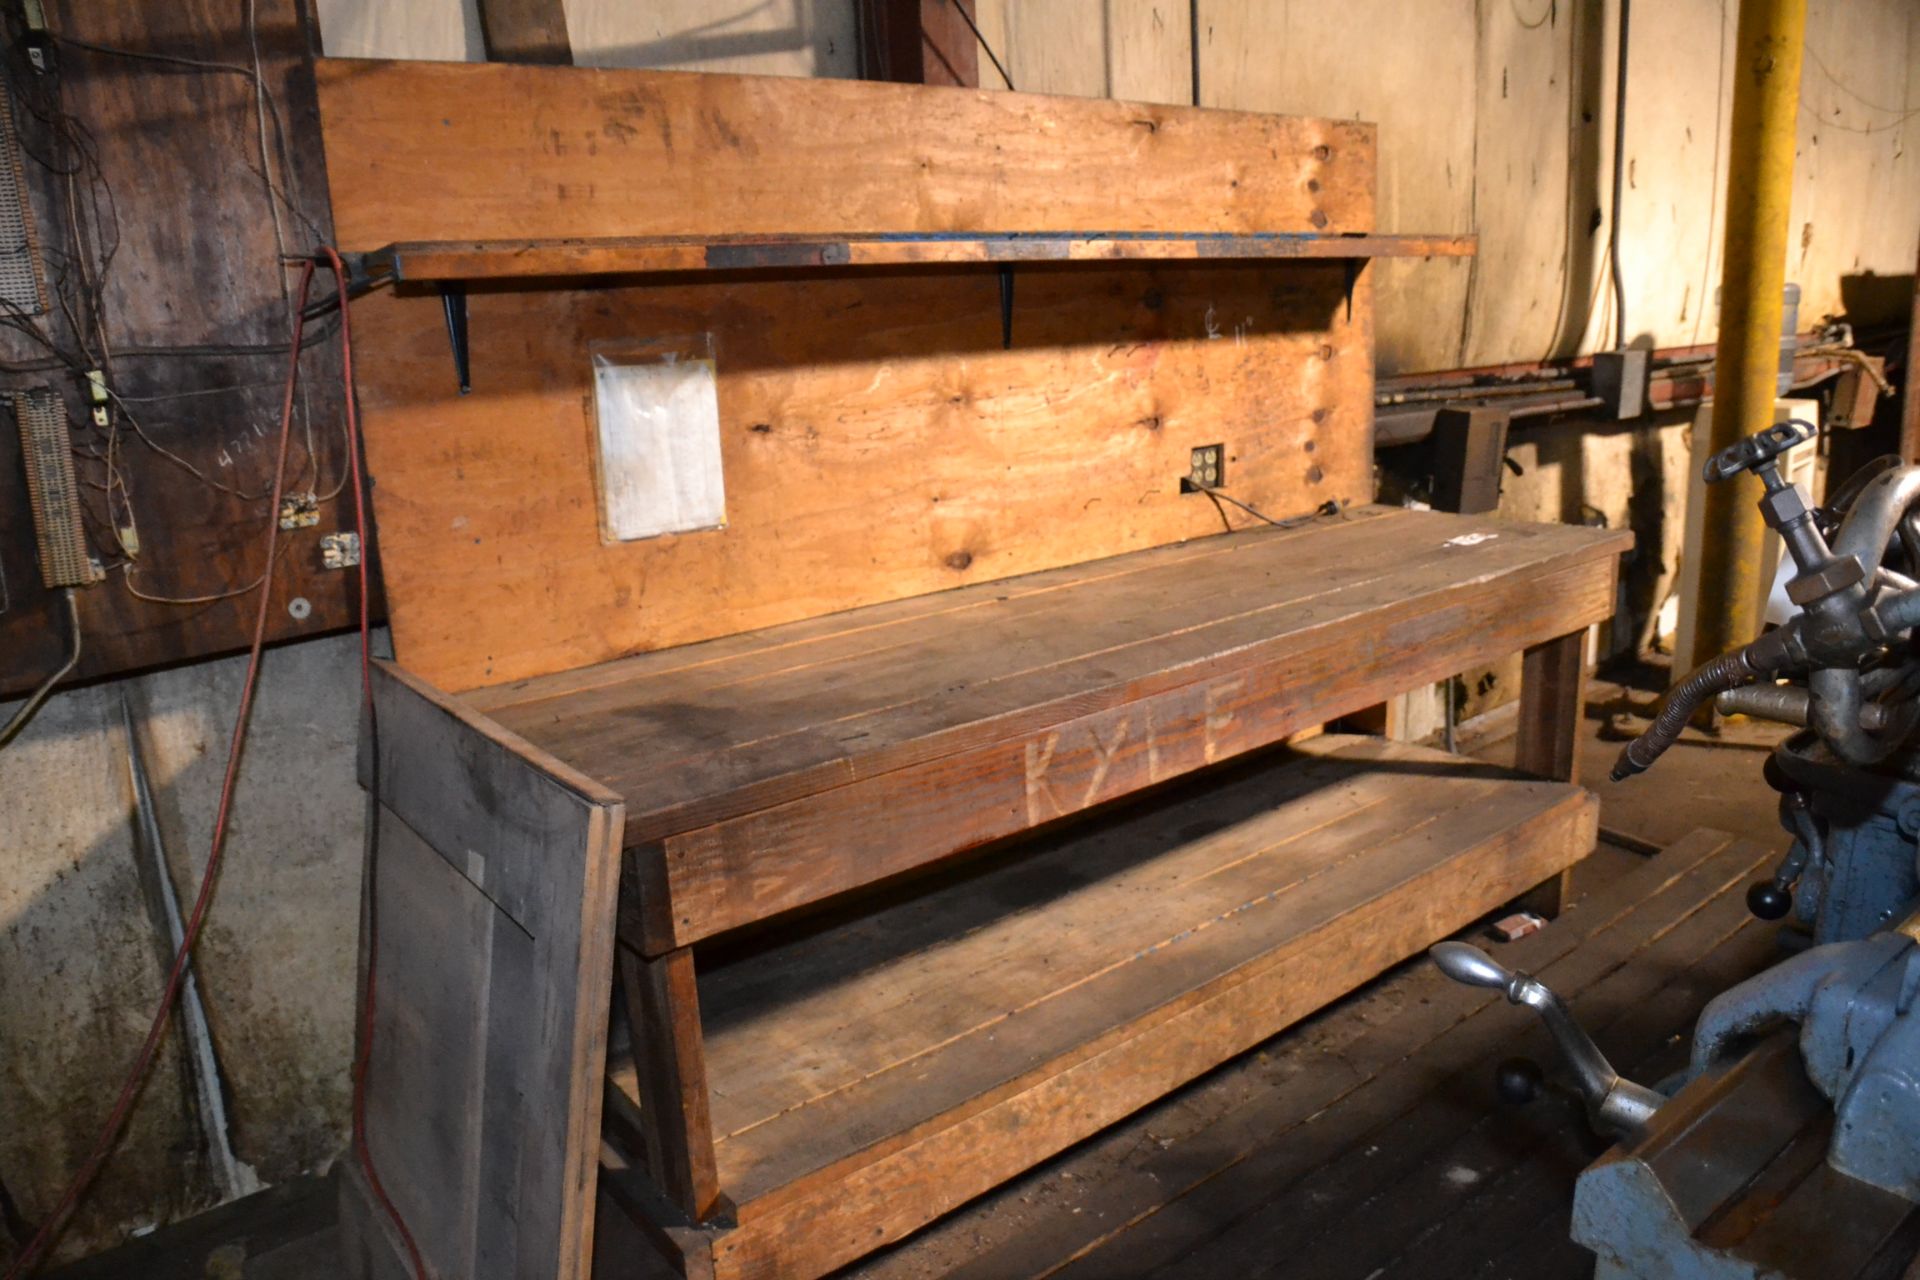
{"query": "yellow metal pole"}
{"type": "Point", "coordinates": [1766, 100]}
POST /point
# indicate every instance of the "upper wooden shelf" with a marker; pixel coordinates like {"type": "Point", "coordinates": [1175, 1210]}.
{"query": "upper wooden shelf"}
{"type": "Point", "coordinates": [431, 260]}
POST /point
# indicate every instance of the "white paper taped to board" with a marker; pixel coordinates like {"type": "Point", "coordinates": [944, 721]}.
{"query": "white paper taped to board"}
{"type": "Point", "coordinates": [657, 434]}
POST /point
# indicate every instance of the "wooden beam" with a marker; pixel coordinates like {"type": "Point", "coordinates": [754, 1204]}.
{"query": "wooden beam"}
{"type": "Point", "coordinates": [1553, 679]}
{"type": "Point", "coordinates": [526, 31]}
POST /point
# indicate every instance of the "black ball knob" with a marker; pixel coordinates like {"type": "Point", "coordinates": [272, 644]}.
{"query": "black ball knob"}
{"type": "Point", "coordinates": [1518, 1080]}
{"type": "Point", "coordinates": [1768, 901]}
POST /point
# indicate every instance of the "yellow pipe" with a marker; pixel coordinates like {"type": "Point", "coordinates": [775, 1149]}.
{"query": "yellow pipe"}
{"type": "Point", "coordinates": [1766, 102]}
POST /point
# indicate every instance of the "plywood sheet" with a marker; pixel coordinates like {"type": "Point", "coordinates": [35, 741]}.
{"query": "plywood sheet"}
{"type": "Point", "coordinates": [880, 436]}
{"type": "Point", "coordinates": [876, 442]}
{"type": "Point", "coordinates": [437, 151]}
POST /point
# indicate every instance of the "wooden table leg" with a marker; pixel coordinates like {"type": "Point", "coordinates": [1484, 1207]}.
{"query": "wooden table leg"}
{"type": "Point", "coordinates": [1553, 679]}
{"type": "Point", "coordinates": [670, 1060]}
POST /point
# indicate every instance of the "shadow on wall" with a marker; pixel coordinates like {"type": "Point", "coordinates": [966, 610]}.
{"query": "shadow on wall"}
{"type": "Point", "coordinates": [1875, 299]}
{"type": "Point", "coordinates": [81, 962]}
{"type": "Point", "coordinates": [745, 31]}
{"type": "Point", "coordinates": [1630, 475]}
{"type": "Point", "coordinates": [1585, 238]}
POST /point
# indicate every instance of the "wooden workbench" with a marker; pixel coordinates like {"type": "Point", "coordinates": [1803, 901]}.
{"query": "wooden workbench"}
{"type": "Point", "coordinates": [864, 793]}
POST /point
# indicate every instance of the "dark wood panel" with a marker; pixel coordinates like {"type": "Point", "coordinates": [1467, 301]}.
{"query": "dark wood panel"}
{"type": "Point", "coordinates": [526, 31]}
{"type": "Point", "coordinates": [194, 265]}
{"type": "Point", "coordinates": [920, 42]}
{"type": "Point", "coordinates": [496, 882]}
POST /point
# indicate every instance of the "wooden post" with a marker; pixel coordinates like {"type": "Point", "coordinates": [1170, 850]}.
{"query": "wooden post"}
{"type": "Point", "coordinates": [670, 1062]}
{"type": "Point", "coordinates": [919, 42]}
{"type": "Point", "coordinates": [1553, 679]}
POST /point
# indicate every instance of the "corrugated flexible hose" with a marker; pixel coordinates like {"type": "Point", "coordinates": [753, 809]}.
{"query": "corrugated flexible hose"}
{"type": "Point", "coordinates": [1728, 671]}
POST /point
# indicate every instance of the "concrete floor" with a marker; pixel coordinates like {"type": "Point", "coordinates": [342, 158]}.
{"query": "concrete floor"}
{"type": "Point", "coordinates": [286, 1233]}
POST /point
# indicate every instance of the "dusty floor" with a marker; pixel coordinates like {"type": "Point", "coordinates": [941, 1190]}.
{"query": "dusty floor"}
{"type": "Point", "coordinates": [1096, 1209]}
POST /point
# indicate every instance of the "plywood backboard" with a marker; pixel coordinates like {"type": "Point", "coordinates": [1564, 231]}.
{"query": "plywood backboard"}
{"type": "Point", "coordinates": [877, 440]}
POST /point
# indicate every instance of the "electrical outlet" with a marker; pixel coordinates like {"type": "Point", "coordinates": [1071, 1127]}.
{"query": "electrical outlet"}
{"type": "Point", "coordinates": [1207, 468]}
{"type": "Point", "coordinates": [340, 551]}
{"type": "Point", "coordinates": [300, 510]}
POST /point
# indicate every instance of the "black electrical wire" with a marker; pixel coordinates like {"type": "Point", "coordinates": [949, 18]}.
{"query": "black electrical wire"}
{"type": "Point", "coordinates": [991, 55]}
{"type": "Point", "coordinates": [1325, 509]}
{"type": "Point", "coordinates": [1193, 48]}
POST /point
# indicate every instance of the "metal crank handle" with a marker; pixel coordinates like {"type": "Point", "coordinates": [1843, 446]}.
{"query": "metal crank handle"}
{"type": "Point", "coordinates": [1615, 1105]}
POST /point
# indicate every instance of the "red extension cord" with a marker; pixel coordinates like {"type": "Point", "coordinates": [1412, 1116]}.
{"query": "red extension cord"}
{"type": "Point", "coordinates": [30, 1258]}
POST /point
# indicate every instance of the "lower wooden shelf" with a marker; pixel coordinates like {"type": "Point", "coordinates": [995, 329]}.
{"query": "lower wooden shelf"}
{"type": "Point", "coordinates": [868, 1077]}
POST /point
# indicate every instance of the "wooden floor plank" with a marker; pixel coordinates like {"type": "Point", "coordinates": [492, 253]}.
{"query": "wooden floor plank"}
{"type": "Point", "coordinates": [1526, 1162]}
{"type": "Point", "coordinates": [1359, 1151]}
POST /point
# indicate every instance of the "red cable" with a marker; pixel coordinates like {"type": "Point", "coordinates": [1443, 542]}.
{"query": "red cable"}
{"type": "Point", "coordinates": [117, 1118]}
{"type": "Point", "coordinates": [364, 1057]}
{"type": "Point", "coordinates": [49, 1230]}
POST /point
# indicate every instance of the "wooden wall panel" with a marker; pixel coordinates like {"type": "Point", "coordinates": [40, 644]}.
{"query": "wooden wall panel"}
{"type": "Point", "coordinates": [1678, 104]}
{"type": "Point", "coordinates": [1535, 156]}
{"type": "Point", "coordinates": [192, 305]}
{"type": "Point", "coordinates": [877, 443]}
{"type": "Point", "coordinates": [1134, 50]}
{"type": "Point", "coordinates": [1856, 201]}
{"type": "Point", "coordinates": [1407, 69]}
{"type": "Point", "coordinates": [1496, 117]}
{"type": "Point", "coordinates": [433, 29]}
{"type": "Point", "coordinates": [771, 37]}
{"type": "Point", "coordinates": [467, 151]}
